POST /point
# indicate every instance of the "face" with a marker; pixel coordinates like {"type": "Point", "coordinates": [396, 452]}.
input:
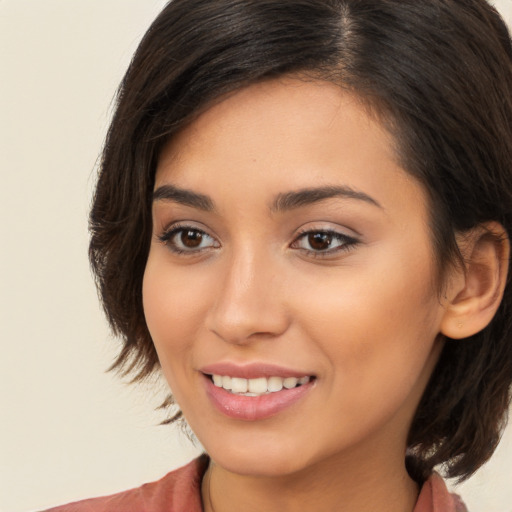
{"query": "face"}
{"type": "Point", "coordinates": [289, 288]}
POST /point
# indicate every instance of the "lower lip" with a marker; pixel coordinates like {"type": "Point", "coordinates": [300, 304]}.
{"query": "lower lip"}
{"type": "Point", "coordinates": [253, 408]}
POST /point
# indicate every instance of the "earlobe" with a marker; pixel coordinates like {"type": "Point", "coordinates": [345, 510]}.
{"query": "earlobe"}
{"type": "Point", "coordinates": [474, 295]}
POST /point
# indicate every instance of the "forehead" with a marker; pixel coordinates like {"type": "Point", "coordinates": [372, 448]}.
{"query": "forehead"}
{"type": "Point", "coordinates": [285, 134]}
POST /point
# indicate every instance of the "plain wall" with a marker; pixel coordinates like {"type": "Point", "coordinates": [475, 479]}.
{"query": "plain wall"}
{"type": "Point", "coordinates": [68, 430]}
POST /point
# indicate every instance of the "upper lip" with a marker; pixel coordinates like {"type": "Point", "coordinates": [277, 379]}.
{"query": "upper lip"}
{"type": "Point", "coordinates": [252, 370]}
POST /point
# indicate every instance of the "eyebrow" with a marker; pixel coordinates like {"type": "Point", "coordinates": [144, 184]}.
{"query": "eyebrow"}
{"type": "Point", "coordinates": [291, 200]}
{"type": "Point", "coordinates": [183, 196]}
{"type": "Point", "coordinates": [283, 202]}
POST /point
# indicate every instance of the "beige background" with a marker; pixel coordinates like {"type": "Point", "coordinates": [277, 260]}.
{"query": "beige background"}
{"type": "Point", "coordinates": [67, 429]}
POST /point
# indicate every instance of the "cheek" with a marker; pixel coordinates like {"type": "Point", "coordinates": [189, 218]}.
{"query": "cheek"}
{"type": "Point", "coordinates": [377, 326]}
{"type": "Point", "coordinates": [171, 311]}
{"type": "Point", "coordinates": [367, 299]}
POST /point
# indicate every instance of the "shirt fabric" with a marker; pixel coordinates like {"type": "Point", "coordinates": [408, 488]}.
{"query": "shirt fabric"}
{"type": "Point", "coordinates": [180, 491]}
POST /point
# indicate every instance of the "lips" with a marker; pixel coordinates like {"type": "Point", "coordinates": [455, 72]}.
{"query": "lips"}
{"type": "Point", "coordinates": [255, 392]}
{"type": "Point", "coordinates": [252, 370]}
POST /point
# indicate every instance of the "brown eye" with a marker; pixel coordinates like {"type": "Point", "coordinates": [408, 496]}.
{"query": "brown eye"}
{"type": "Point", "coordinates": [320, 241]}
{"type": "Point", "coordinates": [328, 243]}
{"type": "Point", "coordinates": [191, 238]}
{"type": "Point", "coordinates": [188, 240]}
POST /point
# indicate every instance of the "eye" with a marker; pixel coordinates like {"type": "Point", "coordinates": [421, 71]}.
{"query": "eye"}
{"type": "Point", "coordinates": [187, 239]}
{"type": "Point", "coordinates": [323, 242]}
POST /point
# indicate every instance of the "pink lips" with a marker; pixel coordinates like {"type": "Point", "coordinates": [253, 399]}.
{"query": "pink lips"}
{"type": "Point", "coordinates": [253, 408]}
{"type": "Point", "coordinates": [251, 371]}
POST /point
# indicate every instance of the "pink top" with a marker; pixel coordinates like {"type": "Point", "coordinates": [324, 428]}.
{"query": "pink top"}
{"type": "Point", "coordinates": [434, 497]}
{"type": "Point", "coordinates": [180, 491]}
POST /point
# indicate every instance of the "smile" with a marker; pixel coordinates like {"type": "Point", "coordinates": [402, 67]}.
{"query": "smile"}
{"type": "Point", "coordinates": [259, 386]}
{"type": "Point", "coordinates": [255, 398]}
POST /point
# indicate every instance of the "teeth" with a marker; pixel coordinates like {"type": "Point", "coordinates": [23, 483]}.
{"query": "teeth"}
{"type": "Point", "coordinates": [259, 386]}
{"type": "Point", "coordinates": [239, 385]}
{"type": "Point", "coordinates": [226, 382]}
{"type": "Point", "coordinates": [290, 382]}
{"type": "Point", "coordinates": [275, 384]}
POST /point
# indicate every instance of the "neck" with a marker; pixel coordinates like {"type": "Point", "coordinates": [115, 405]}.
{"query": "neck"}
{"type": "Point", "coordinates": [331, 485]}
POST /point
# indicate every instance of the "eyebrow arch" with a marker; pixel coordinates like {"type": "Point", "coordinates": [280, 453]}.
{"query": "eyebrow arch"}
{"type": "Point", "coordinates": [291, 200]}
{"type": "Point", "coordinates": [183, 196]}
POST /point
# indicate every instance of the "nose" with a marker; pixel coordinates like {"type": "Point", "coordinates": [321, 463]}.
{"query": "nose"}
{"type": "Point", "coordinates": [250, 303]}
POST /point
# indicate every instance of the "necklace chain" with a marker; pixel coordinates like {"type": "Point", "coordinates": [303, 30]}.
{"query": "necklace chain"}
{"type": "Point", "coordinates": [208, 489]}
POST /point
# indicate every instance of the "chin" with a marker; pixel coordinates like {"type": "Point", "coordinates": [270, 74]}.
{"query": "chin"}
{"type": "Point", "coordinates": [259, 465]}
{"type": "Point", "coordinates": [271, 458]}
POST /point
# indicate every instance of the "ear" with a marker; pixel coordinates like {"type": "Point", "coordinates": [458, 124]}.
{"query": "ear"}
{"type": "Point", "coordinates": [473, 294]}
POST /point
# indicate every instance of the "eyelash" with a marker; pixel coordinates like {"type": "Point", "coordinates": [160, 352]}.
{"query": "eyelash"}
{"type": "Point", "coordinates": [346, 242]}
{"type": "Point", "coordinates": [167, 239]}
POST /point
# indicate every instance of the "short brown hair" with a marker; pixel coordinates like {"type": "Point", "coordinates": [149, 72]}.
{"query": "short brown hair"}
{"type": "Point", "coordinates": [439, 72]}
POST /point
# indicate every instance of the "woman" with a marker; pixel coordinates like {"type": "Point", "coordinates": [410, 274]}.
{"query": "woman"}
{"type": "Point", "coordinates": [302, 218]}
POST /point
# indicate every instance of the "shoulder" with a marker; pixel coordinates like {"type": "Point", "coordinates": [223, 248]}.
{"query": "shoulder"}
{"type": "Point", "coordinates": [177, 491]}
{"type": "Point", "coordinates": [435, 497]}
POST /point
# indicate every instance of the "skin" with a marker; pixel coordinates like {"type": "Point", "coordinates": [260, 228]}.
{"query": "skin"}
{"type": "Point", "coordinates": [363, 318]}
